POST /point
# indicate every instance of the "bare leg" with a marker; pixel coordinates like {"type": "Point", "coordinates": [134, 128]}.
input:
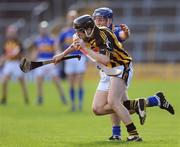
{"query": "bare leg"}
{"type": "Point", "coordinates": [71, 80]}
{"type": "Point", "coordinates": [114, 98]}
{"type": "Point", "coordinates": [116, 91]}
{"type": "Point", "coordinates": [24, 89]}
{"type": "Point", "coordinates": [116, 127]}
{"type": "Point", "coordinates": [114, 117]}
{"type": "Point", "coordinates": [80, 77]}
{"type": "Point", "coordinates": [100, 105]}
{"type": "Point", "coordinates": [57, 81]}
{"type": "Point", "coordinates": [40, 90]}
{"type": "Point", "coordinates": [5, 88]}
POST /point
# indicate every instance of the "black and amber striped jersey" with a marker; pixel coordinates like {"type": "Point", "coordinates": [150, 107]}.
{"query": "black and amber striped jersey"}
{"type": "Point", "coordinates": [12, 49]}
{"type": "Point", "coordinates": [105, 42]}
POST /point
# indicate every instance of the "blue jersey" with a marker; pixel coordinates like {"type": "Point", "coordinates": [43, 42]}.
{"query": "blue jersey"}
{"type": "Point", "coordinates": [117, 30]}
{"type": "Point", "coordinates": [45, 47]}
{"type": "Point", "coordinates": [66, 39]}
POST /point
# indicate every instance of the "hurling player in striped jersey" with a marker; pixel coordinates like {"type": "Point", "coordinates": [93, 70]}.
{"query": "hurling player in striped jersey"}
{"type": "Point", "coordinates": [103, 16]}
{"type": "Point", "coordinates": [12, 53]}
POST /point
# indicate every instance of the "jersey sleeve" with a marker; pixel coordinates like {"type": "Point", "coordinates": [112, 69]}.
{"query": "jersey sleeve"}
{"type": "Point", "coordinates": [117, 32]}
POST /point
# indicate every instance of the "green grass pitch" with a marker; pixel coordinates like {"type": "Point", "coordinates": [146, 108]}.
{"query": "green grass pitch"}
{"type": "Point", "coordinates": [54, 125]}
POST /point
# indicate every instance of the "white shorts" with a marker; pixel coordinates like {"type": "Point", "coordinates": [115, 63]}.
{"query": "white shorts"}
{"type": "Point", "coordinates": [105, 80]}
{"type": "Point", "coordinates": [49, 70]}
{"type": "Point", "coordinates": [12, 68]}
{"type": "Point", "coordinates": [75, 66]}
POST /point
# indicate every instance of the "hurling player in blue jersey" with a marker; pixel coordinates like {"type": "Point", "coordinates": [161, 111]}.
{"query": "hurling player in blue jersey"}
{"type": "Point", "coordinates": [74, 69]}
{"type": "Point", "coordinates": [44, 50]}
{"type": "Point", "coordinates": [104, 17]}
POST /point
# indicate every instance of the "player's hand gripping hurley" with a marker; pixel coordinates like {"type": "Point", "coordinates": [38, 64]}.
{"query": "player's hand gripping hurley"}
{"type": "Point", "coordinates": [28, 65]}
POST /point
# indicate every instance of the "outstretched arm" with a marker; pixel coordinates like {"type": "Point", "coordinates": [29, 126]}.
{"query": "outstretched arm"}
{"type": "Point", "coordinates": [103, 59]}
{"type": "Point", "coordinates": [57, 58]}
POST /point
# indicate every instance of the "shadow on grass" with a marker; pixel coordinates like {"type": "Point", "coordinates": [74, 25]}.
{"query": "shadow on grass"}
{"type": "Point", "coordinates": [108, 144]}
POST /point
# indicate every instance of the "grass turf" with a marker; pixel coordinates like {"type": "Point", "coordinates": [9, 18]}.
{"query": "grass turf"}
{"type": "Point", "coordinates": [53, 124]}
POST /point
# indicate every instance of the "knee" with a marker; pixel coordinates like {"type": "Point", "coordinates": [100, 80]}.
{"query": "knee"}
{"type": "Point", "coordinates": [114, 105]}
{"type": "Point", "coordinates": [96, 110]}
{"type": "Point", "coordinates": [111, 103]}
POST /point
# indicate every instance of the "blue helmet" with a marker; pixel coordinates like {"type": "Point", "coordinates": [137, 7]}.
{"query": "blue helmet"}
{"type": "Point", "coordinates": [104, 12]}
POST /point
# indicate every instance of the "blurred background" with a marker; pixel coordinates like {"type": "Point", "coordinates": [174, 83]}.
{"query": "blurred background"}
{"type": "Point", "coordinates": [154, 25]}
{"type": "Point", "coordinates": [154, 45]}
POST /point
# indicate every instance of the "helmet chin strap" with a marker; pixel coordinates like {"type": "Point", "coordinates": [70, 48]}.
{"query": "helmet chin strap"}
{"type": "Point", "coordinates": [89, 35]}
